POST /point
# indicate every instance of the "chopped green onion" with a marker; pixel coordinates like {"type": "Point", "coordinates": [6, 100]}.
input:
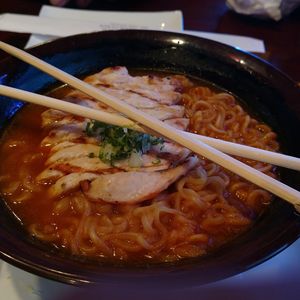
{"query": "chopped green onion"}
{"type": "Point", "coordinates": [156, 161]}
{"type": "Point", "coordinates": [118, 143]}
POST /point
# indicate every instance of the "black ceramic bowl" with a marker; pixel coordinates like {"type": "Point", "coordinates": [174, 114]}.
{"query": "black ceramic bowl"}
{"type": "Point", "coordinates": [268, 93]}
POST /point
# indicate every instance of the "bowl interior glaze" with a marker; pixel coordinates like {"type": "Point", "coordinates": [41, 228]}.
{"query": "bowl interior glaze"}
{"type": "Point", "coordinates": [269, 95]}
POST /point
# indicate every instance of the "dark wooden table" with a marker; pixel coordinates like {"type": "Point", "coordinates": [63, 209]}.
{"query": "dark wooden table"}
{"type": "Point", "coordinates": [282, 39]}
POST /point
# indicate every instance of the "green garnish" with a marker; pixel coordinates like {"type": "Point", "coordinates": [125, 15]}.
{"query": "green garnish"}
{"type": "Point", "coordinates": [118, 143]}
{"type": "Point", "coordinates": [156, 161]}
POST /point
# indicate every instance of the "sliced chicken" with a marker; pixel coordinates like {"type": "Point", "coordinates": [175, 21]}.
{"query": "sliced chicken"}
{"type": "Point", "coordinates": [181, 81]}
{"type": "Point", "coordinates": [77, 99]}
{"type": "Point", "coordinates": [130, 97]}
{"type": "Point", "coordinates": [61, 145]}
{"type": "Point", "coordinates": [135, 187]}
{"type": "Point", "coordinates": [178, 123]}
{"type": "Point", "coordinates": [67, 133]}
{"type": "Point", "coordinates": [67, 120]}
{"type": "Point", "coordinates": [75, 151]}
{"type": "Point", "coordinates": [110, 76]}
{"type": "Point", "coordinates": [84, 164]}
{"type": "Point", "coordinates": [82, 99]}
{"type": "Point", "coordinates": [147, 163]}
{"type": "Point", "coordinates": [49, 174]}
{"type": "Point", "coordinates": [165, 112]}
{"type": "Point", "coordinates": [172, 152]}
{"type": "Point", "coordinates": [77, 165]}
{"type": "Point", "coordinates": [165, 90]}
{"type": "Point", "coordinates": [73, 160]}
{"type": "Point", "coordinates": [69, 183]}
{"type": "Point", "coordinates": [51, 116]}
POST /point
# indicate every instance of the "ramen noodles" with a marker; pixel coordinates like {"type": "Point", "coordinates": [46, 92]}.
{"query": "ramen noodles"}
{"type": "Point", "coordinates": [102, 191]}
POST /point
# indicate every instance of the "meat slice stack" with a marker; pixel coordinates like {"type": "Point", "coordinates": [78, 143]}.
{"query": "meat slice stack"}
{"type": "Point", "coordinates": [73, 161]}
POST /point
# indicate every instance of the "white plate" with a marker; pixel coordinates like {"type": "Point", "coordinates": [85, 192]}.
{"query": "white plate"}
{"type": "Point", "coordinates": [74, 19]}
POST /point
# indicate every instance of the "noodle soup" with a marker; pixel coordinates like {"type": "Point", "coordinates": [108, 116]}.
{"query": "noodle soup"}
{"type": "Point", "coordinates": [79, 186]}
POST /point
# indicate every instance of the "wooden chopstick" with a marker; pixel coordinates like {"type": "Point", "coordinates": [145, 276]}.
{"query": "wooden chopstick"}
{"type": "Point", "coordinates": [114, 119]}
{"type": "Point", "coordinates": [266, 182]}
{"type": "Point", "coordinates": [68, 107]}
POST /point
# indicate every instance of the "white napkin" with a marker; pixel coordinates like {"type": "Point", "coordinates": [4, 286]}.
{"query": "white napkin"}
{"type": "Point", "coordinates": [54, 22]}
{"type": "Point", "coordinates": [274, 9]}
